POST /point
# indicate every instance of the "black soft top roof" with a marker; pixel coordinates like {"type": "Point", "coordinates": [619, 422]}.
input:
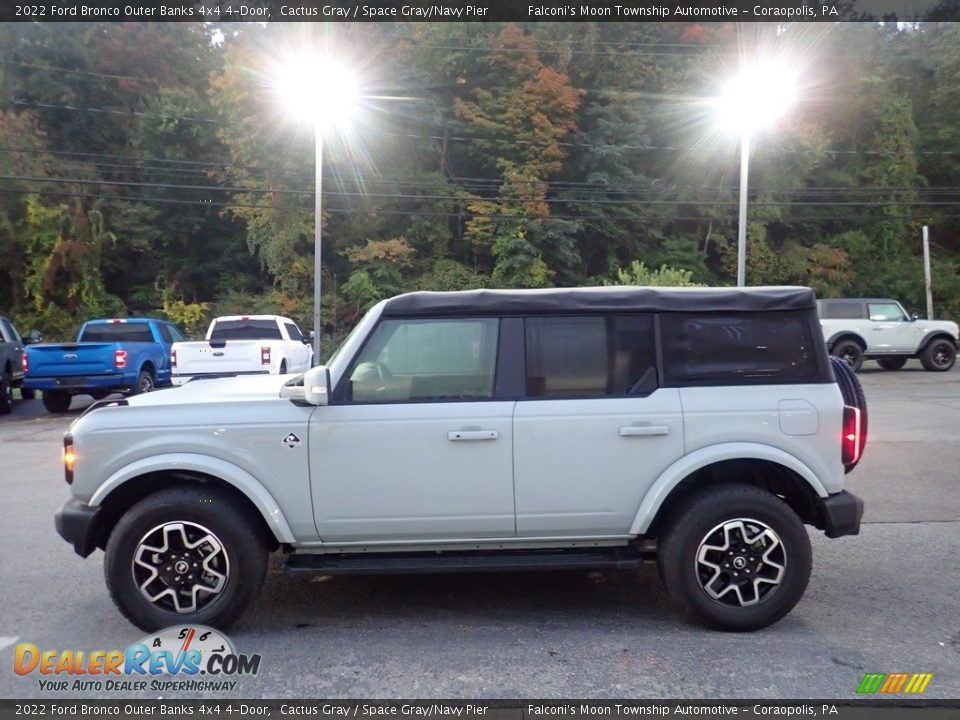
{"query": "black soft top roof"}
{"type": "Point", "coordinates": [600, 299]}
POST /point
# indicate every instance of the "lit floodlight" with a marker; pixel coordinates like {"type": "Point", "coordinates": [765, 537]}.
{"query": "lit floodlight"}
{"type": "Point", "coordinates": [757, 96]}
{"type": "Point", "coordinates": [318, 90]}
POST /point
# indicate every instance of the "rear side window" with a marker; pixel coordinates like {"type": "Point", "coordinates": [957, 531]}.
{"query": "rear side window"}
{"type": "Point", "coordinates": [117, 332]}
{"type": "Point", "coordinates": [731, 348]}
{"type": "Point", "coordinates": [841, 310]}
{"type": "Point", "coordinates": [169, 333]}
{"type": "Point", "coordinates": [246, 330]}
{"type": "Point", "coordinates": [590, 356]}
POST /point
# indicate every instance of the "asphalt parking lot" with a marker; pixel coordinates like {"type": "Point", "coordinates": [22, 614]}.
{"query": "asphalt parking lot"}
{"type": "Point", "coordinates": [884, 601]}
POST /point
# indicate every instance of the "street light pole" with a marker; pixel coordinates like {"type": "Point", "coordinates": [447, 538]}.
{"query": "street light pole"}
{"type": "Point", "coordinates": [317, 240]}
{"type": "Point", "coordinates": [742, 227]}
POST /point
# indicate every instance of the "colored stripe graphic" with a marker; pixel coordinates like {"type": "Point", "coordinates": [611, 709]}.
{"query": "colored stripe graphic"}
{"type": "Point", "coordinates": [918, 683]}
{"type": "Point", "coordinates": [894, 683]}
{"type": "Point", "coordinates": [871, 682]}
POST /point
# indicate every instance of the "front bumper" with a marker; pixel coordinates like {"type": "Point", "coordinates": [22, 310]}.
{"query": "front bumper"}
{"type": "Point", "coordinates": [77, 523]}
{"type": "Point", "coordinates": [841, 514]}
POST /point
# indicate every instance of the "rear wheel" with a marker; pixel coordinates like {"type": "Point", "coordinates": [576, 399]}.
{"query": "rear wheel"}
{"type": "Point", "coordinates": [184, 555]}
{"type": "Point", "coordinates": [736, 557]}
{"type": "Point", "coordinates": [850, 352]}
{"type": "Point", "coordinates": [892, 363]}
{"type": "Point", "coordinates": [6, 395]}
{"type": "Point", "coordinates": [56, 401]}
{"type": "Point", "coordinates": [939, 355]}
{"type": "Point", "coordinates": [144, 383]}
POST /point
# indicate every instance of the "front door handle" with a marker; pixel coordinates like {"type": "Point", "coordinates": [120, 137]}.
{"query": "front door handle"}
{"type": "Point", "coordinates": [468, 435]}
{"type": "Point", "coordinates": [643, 430]}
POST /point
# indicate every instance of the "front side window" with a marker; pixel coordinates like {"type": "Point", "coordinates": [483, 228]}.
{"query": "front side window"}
{"type": "Point", "coordinates": [886, 312]}
{"type": "Point", "coordinates": [422, 360]}
{"type": "Point", "coordinates": [590, 356]}
{"type": "Point", "coordinates": [723, 348]}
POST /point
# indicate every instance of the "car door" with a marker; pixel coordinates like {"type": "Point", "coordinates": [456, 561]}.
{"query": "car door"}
{"type": "Point", "coordinates": [595, 428]}
{"type": "Point", "coordinates": [890, 329]}
{"type": "Point", "coordinates": [415, 445]}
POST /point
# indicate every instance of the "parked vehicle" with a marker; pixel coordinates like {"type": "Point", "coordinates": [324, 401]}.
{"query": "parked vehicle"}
{"type": "Point", "coordinates": [125, 355]}
{"type": "Point", "coordinates": [859, 329]}
{"type": "Point", "coordinates": [12, 366]}
{"type": "Point", "coordinates": [490, 430]}
{"type": "Point", "coordinates": [243, 345]}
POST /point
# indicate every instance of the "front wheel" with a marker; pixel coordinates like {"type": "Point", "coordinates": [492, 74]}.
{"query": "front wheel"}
{"type": "Point", "coordinates": [736, 557]}
{"type": "Point", "coordinates": [939, 355]}
{"type": "Point", "coordinates": [184, 555]}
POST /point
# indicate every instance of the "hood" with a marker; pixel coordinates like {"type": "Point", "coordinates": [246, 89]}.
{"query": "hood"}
{"type": "Point", "coordinates": [220, 390]}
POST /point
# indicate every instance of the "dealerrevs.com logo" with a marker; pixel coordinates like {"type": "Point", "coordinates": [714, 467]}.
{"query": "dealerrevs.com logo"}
{"type": "Point", "coordinates": [189, 659]}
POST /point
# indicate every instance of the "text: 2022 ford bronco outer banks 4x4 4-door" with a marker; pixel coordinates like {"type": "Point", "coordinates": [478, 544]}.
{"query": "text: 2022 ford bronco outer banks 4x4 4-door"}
{"type": "Point", "coordinates": [489, 430]}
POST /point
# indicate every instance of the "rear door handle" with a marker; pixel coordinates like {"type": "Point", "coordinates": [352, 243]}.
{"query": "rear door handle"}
{"type": "Point", "coordinates": [643, 430]}
{"type": "Point", "coordinates": [472, 435]}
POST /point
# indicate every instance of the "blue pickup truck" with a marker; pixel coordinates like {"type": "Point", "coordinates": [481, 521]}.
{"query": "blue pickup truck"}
{"type": "Point", "coordinates": [125, 355]}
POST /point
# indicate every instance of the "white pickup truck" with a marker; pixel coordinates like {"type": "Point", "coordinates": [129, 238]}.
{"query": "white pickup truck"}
{"type": "Point", "coordinates": [243, 345]}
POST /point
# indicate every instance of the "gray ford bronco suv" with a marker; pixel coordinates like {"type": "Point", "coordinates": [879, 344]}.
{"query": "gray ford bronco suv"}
{"type": "Point", "coordinates": [489, 430]}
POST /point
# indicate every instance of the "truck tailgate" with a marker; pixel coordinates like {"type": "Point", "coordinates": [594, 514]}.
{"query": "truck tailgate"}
{"type": "Point", "coordinates": [70, 359]}
{"type": "Point", "coordinates": [222, 356]}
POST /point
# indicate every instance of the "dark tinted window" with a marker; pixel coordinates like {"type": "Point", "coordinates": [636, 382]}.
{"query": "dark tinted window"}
{"type": "Point", "coordinates": [841, 310]}
{"type": "Point", "coordinates": [117, 332]}
{"type": "Point", "coordinates": [590, 356]}
{"type": "Point", "coordinates": [246, 330]}
{"type": "Point", "coordinates": [722, 348]}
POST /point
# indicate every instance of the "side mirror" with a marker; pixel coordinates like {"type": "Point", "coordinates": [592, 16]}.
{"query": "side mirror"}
{"type": "Point", "coordinates": [914, 316]}
{"type": "Point", "coordinates": [313, 387]}
{"type": "Point", "coordinates": [307, 340]}
{"type": "Point", "coordinates": [33, 337]}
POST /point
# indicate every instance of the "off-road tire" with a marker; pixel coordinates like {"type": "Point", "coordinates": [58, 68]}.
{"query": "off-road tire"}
{"type": "Point", "coordinates": [892, 363]}
{"type": "Point", "coordinates": [686, 531]}
{"type": "Point", "coordinates": [56, 401]}
{"type": "Point", "coordinates": [939, 355]}
{"type": "Point", "coordinates": [211, 508]}
{"type": "Point", "coordinates": [850, 352]}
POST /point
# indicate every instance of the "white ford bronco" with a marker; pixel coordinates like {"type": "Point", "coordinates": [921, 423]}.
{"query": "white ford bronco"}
{"type": "Point", "coordinates": [489, 430]}
{"type": "Point", "coordinates": [859, 329]}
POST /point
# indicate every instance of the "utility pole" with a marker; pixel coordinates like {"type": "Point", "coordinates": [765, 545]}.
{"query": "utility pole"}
{"type": "Point", "coordinates": [926, 270]}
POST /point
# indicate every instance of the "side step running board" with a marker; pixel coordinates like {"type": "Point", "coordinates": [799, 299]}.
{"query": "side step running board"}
{"type": "Point", "coordinates": [457, 562]}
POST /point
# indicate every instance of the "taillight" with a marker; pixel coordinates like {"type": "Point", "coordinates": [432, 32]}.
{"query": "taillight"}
{"type": "Point", "coordinates": [120, 358]}
{"type": "Point", "coordinates": [264, 356]}
{"type": "Point", "coordinates": [69, 458]}
{"type": "Point", "coordinates": [24, 362]}
{"type": "Point", "coordinates": [173, 358]}
{"type": "Point", "coordinates": [851, 435]}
